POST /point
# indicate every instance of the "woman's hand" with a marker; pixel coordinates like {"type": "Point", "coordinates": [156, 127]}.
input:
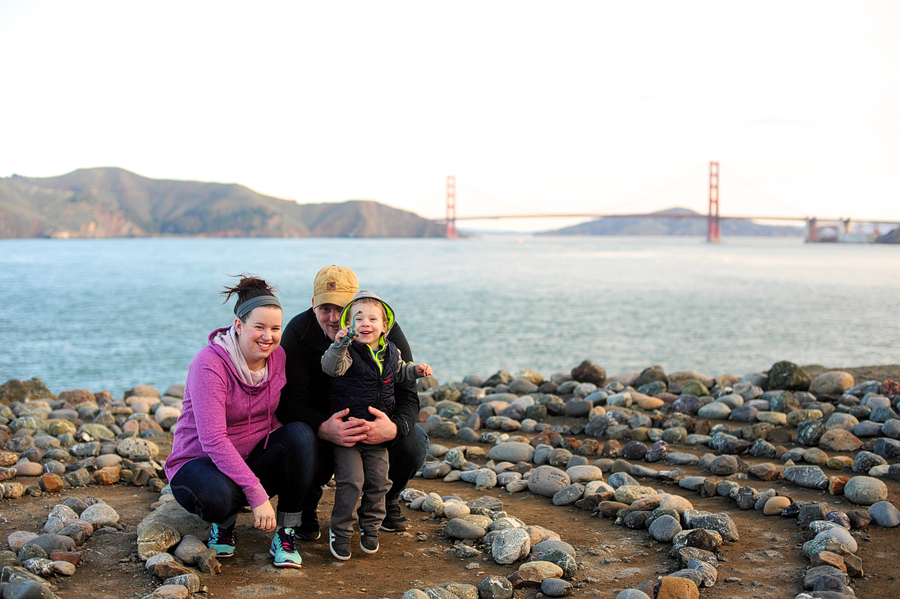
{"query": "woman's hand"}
{"type": "Point", "coordinates": [264, 517]}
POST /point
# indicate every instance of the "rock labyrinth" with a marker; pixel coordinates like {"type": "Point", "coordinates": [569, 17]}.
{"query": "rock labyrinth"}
{"type": "Point", "coordinates": [629, 427]}
{"type": "Point", "coordinates": [640, 415]}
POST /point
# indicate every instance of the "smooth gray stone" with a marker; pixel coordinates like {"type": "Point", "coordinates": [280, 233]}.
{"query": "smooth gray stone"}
{"type": "Point", "coordinates": [551, 545]}
{"type": "Point", "coordinates": [864, 388]}
{"type": "Point", "coordinates": [692, 483]}
{"type": "Point", "coordinates": [721, 523]}
{"type": "Point", "coordinates": [559, 457]}
{"type": "Point", "coordinates": [556, 587]}
{"type": "Point", "coordinates": [887, 448]}
{"type": "Point", "coordinates": [459, 528]}
{"type": "Point", "coordinates": [632, 594]}
{"type": "Point", "coordinates": [20, 588]}
{"type": "Point", "coordinates": [840, 534]}
{"type": "Point", "coordinates": [100, 514]}
{"type": "Point", "coordinates": [891, 429]}
{"type": "Point", "coordinates": [436, 470]}
{"type": "Point", "coordinates": [664, 528]}
{"type": "Point", "coordinates": [511, 452]}
{"type": "Point", "coordinates": [675, 434]}
{"type": "Point", "coordinates": [882, 414]}
{"type": "Point", "coordinates": [569, 494]}
{"type": "Point", "coordinates": [867, 428]}
{"type": "Point", "coordinates": [620, 479]}
{"type": "Point", "coordinates": [865, 460]}
{"type": "Point", "coordinates": [547, 480]}
{"type": "Point", "coordinates": [817, 572]}
{"type": "Point", "coordinates": [865, 490]}
{"type": "Point", "coordinates": [726, 488]}
{"type": "Point", "coordinates": [724, 465]}
{"type": "Point", "coordinates": [717, 410]}
{"type": "Point", "coordinates": [51, 543]}
{"type": "Point", "coordinates": [682, 459]}
{"type": "Point", "coordinates": [885, 514]}
{"type": "Point", "coordinates": [639, 470]}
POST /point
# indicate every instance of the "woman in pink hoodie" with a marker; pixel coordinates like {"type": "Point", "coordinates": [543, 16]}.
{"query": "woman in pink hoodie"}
{"type": "Point", "coordinates": [230, 450]}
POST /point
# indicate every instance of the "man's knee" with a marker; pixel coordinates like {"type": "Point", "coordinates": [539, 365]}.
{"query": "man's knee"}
{"type": "Point", "coordinates": [299, 439]}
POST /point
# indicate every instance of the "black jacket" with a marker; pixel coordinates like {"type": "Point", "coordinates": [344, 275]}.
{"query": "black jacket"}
{"type": "Point", "coordinates": [365, 384]}
{"type": "Point", "coordinates": [305, 395]}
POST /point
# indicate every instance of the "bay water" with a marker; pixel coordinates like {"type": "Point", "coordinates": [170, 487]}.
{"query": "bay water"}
{"type": "Point", "coordinates": [114, 313]}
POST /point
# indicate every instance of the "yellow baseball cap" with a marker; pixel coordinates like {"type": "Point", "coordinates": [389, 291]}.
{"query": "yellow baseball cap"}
{"type": "Point", "coordinates": [334, 285]}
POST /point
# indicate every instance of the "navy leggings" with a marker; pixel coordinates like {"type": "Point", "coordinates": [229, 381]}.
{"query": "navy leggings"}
{"type": "Point", "coordinates": [285, 468]}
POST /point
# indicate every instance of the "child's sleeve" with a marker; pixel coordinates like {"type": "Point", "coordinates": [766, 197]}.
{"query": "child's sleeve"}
{"type": "Point", "coordinates": [336, 361]}
{"type": "Point", "coordinates": [406, 371]}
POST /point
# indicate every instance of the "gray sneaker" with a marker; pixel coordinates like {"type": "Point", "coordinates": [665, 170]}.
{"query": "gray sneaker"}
{"type": "Point", "coordinates": [339, 546]}
{"type": "Point", "coordinates": [368, 542]}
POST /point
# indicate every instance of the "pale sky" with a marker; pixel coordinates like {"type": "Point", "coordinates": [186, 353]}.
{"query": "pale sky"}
{"type": "Point", "coordinates": [557, 107]}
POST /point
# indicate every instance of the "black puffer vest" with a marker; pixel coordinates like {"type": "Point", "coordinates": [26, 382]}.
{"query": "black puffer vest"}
{"type": "Point", "coordinates": [363, 385]}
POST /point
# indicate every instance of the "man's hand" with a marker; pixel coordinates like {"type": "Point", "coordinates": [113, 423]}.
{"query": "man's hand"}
{"type": "Point", "coordinates": [381, 429]}
{"type": "Point", "coordinates": [346, 434]}
{"type": "Point", "coordinates": [264, 516]}
{"type": "Point", "coordinates": [423, 369]}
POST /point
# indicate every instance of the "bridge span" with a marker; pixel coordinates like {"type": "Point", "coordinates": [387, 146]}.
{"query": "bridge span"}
{"type": "Point", "coordinates": [833, 228]}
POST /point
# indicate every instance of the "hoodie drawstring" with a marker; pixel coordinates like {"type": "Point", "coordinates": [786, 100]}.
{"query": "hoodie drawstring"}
{"type": "Point", "coordinates": [268, 416]}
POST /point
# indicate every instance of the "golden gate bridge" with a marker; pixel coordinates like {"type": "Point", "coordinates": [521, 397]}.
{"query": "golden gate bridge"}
{"type": "Point", "coordinates": [834, 228]}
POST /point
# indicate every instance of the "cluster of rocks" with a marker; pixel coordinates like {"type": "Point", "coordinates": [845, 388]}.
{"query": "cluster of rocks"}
{"type": "Point", "coordinates": [640, 414]}
{"type": "Point", "coordinates": [169, 542]}
{"type": "Point", "coordinates": [482, 526]}
{"type": "Point", "coordinates": [78, 438]}
{"type": "Point", "coordinates": [33, 559]}
{"type": "Point", "coordinates": [625, 426]}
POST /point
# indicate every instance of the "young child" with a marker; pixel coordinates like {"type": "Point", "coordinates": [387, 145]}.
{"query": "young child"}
{"type": "Point", "coordinates": [365, 366]}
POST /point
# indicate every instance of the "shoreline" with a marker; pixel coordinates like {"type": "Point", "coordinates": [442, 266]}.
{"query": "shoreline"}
{"type": "Point", "coordinates": [860, 374]}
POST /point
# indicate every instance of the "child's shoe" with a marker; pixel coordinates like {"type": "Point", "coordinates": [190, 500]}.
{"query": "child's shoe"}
{"type": "Point", "coordinates": [368, 542]}
{"type": "Point", "coordinates": [222, 540]}
{"type": "Point", "coordinates": [340, 546]}
{"type": "Point", "coordinates": [284, 551]}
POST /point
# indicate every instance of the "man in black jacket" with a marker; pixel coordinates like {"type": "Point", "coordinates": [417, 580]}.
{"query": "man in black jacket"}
{"type": "Point", "coordinates": [305, 399]}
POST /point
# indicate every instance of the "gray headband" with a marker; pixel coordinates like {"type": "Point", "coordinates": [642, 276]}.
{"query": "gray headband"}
{"type": "Point", "coordinates": [243, 309]}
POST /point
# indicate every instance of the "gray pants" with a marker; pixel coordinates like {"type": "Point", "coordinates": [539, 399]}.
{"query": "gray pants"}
{"type": "Point", "coordinates": [359, 469]}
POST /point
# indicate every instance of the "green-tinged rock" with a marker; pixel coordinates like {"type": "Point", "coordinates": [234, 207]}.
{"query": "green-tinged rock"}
{"type": "Point", "coordinates": [788, 376]}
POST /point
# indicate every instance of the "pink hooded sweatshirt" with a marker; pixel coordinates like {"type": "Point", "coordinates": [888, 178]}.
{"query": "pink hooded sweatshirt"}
{"type": "Point", "coordinates": [224, 418]}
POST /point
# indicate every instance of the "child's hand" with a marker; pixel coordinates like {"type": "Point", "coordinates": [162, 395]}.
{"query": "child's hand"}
{"type": "Point", "coordinates": [423, 369]}
{"type": "Point", "coordinates": [339, 336]}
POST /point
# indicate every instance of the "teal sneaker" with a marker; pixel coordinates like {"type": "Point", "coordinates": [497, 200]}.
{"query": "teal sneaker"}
{"type": "Point", "coordinates": [284, 551]}
{"type": "Point", "coordinates": [222, 540]}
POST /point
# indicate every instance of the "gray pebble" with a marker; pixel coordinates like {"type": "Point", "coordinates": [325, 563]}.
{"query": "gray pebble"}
{"type": "Point", "coordinates": [885, 514]}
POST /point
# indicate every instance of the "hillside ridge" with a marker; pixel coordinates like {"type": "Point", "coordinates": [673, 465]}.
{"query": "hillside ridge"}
{"type": "Point", "coordinates": [113, 202]}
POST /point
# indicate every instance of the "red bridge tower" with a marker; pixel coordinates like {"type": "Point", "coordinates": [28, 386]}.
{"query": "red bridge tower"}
{"type": "Point", "coordinates": [713, 224]}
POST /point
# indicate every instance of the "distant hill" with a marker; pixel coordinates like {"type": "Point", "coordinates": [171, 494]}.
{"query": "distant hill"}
{"type": "Point", "coordinates": [113, 202]}
{"type": "Point", "coordinates": [673, 226]}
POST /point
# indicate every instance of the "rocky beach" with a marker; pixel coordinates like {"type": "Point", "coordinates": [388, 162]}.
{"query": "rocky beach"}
{"type": "Point", "coordinates": [781, 482]}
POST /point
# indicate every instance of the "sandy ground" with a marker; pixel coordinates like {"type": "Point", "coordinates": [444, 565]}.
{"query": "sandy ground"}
{"type": "Point", "coordinates": [767, 561]}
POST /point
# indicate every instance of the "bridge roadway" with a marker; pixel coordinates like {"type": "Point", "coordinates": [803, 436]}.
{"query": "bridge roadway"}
{"type": "Point", "coordinates": [674, 216]}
